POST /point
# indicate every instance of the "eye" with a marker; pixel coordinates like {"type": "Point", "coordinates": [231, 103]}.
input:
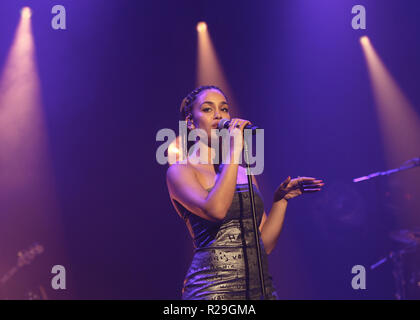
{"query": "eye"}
{"type": "Point", "coordinates": [207, 109]}
{"type": "Point", "coordinates": [225, 110]}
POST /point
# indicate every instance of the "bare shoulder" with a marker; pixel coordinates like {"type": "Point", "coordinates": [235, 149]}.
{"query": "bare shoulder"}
{"type": "Point", "coordinates": [178, 171]}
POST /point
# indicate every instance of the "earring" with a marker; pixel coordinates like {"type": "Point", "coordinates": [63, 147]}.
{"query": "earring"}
{"type": "Point", "coordinates": [190, 123]}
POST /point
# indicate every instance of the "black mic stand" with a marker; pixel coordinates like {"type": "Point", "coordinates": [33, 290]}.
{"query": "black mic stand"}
{"type": "Point", "coordinates": [254, 220]}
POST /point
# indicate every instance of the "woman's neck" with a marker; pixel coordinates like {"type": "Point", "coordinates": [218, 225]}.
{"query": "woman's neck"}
{"type": "Point", "coordinates": [203, 153]}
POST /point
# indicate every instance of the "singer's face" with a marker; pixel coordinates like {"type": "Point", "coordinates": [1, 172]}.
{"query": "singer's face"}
{"type": "Point", "coordinates": [209, 108]}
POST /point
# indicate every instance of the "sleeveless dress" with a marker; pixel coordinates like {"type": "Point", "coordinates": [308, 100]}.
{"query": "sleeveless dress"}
{"type": "Point", "coordinates": [224, 265]}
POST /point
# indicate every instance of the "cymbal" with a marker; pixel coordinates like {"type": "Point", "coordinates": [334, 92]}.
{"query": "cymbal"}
{"type": "Point", "coordinates": [406, 236]}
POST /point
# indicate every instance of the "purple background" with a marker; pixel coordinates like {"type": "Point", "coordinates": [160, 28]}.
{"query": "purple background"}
{"type": "Point", "coordinates": [118, 74]}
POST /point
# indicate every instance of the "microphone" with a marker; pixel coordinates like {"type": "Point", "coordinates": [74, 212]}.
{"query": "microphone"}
{"type": "Point", "coordinates": [225, 123]}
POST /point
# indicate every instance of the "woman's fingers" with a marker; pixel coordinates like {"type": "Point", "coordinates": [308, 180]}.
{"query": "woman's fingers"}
{"type": "Point", "coordinates": [309, 181]}
{"type": "Point", "coordinates": [238, 123]}
{"type": "Point", "coordinates": [305, 183]}
{"type": "Point", "coordinates": [286, 182]}
{"type": "Point", "coordinates": [317, 181]}
{"type": "Point", "coordinates": [233, 124]}
{"type": "Point", "coordinates": [311, 190]}
{"type": "Point", "coordinates": [304, 179]}
{"type": "Point", "coordinates": [312, 182]}
{"type": "Point", "coordinates": [312, 186]}
{"type": "Point", "coordinates": [243, 125]}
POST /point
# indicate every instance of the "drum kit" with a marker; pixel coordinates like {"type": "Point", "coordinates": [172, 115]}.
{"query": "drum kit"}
{"type": "Point", "coordinates": [405, 259]}
{"type": "Point", "coordinates": [405, 262]}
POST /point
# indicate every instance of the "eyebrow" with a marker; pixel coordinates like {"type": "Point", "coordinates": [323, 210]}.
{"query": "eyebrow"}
{"type": "Point", "coordinates": [212, 103]}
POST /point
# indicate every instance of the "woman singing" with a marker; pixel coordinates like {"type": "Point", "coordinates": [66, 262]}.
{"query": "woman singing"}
{"type": "Point", "coordinates": [214, 202]}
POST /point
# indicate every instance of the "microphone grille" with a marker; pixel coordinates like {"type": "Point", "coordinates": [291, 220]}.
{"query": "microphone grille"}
{"type": "Point", "coordinates": [222, 123]}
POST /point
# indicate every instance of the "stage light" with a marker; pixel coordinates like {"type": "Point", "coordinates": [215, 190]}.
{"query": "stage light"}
{"type": "Point", "coordinates": [399, 121]}
{"type": "Point", "coordinates": [28, 203]}
{"type": "Point", "coordinates": [201, 26]}
{"type": "Point", "coordinates": [26, 12]}
{"type": "Point", "coordinates": [364, 40]}
{"type": "Point", "coordinates": [209, 69]}
{"type": "Point", "coordinates": [400, 127]}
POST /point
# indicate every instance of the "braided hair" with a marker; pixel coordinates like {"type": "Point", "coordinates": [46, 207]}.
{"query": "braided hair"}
{"type": "Point", "coordinates": [188, 101]}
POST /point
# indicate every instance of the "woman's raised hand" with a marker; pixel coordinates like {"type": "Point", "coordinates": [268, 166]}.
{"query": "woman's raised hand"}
{"type": "Point", "coordinates": [291, 188]}
{"type": "Point", "coordinates": [236, 129]}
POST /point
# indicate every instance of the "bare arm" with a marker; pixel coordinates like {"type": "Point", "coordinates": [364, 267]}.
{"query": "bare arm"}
{"type": "Point", "coordinates": [272, 225]}
{"type": "Point", "coordinates": [184, 187]}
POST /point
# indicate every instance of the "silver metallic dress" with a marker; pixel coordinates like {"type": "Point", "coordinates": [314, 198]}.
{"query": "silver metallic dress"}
{"type": "Point", "coordinates": [224, 265]}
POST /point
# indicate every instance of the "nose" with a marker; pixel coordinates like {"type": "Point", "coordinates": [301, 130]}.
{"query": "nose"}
{"type": "Point", "coordinates": [217, 115]}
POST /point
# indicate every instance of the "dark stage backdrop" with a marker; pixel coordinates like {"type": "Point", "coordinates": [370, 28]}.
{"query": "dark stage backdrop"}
{"type": "Point", "coordinates": [117, 75]}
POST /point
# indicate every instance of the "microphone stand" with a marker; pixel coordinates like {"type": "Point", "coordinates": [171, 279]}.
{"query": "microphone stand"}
{"type": "Point", "coordinates": [254, 220]}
